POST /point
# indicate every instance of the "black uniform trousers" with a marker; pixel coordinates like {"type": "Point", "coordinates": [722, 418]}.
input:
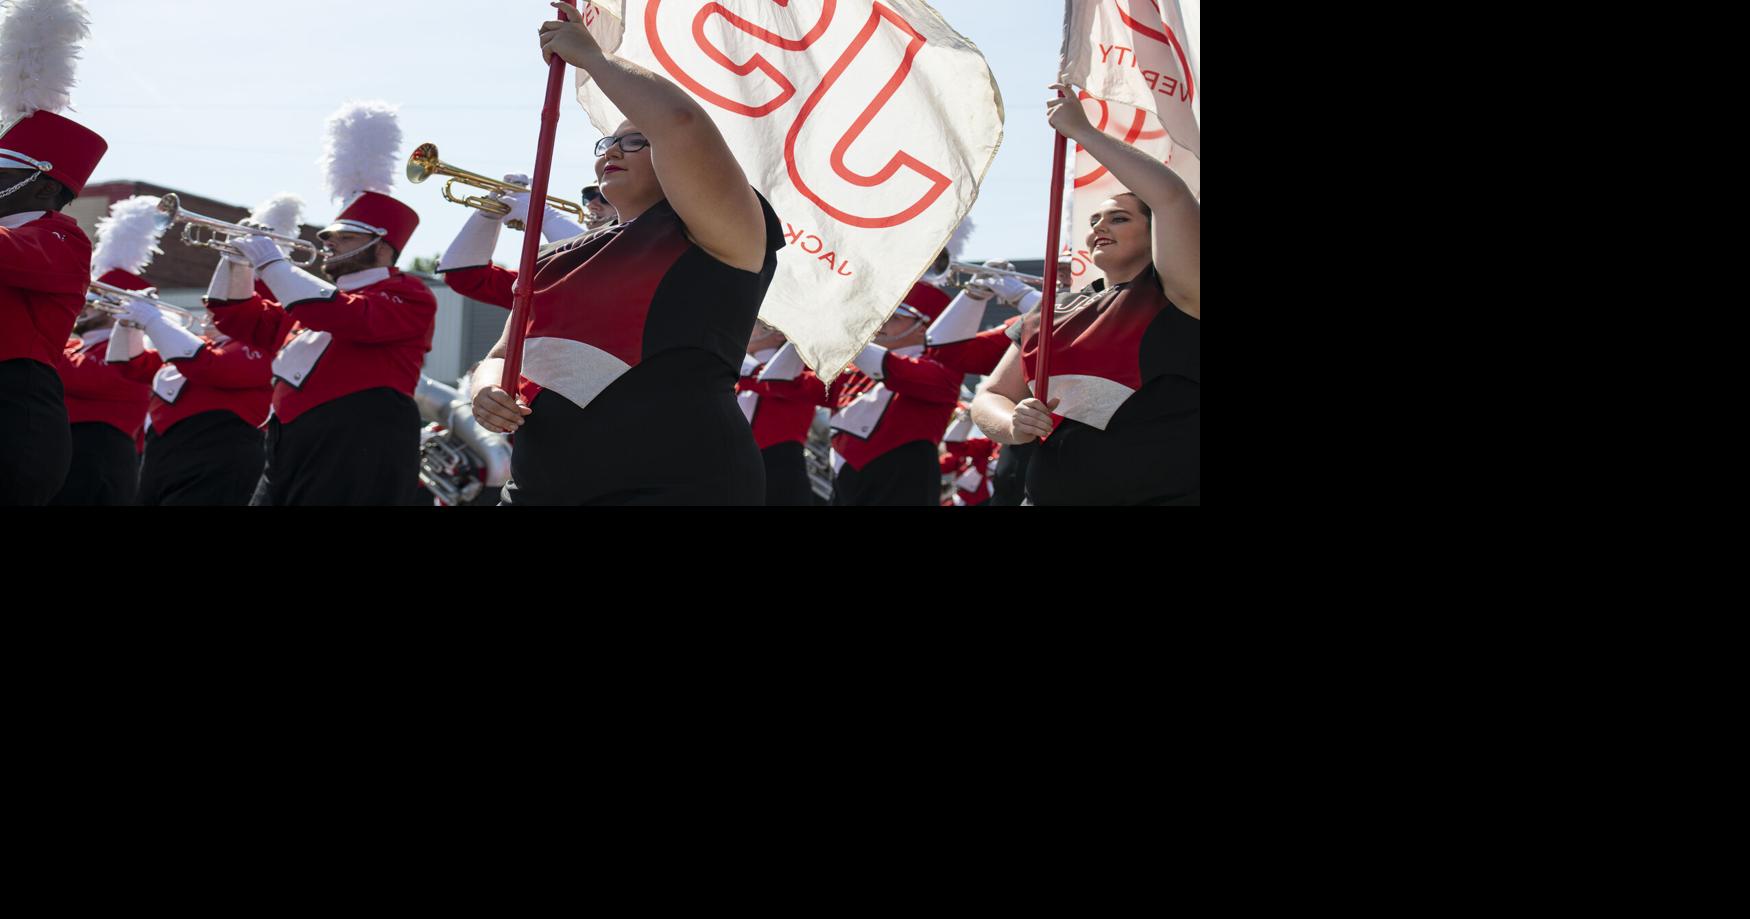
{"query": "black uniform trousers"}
{"type": "Point", "coordinates": [35, 444]}
{"type": "Point", "coordinates": [205, 460]}
{"type": "Point", "coordinates": [359, 449]}
{"type": "Point", "coordinates": [906, 476]}
{"type": "Point", "coordinates": [105, 471]}
{"type": "Point", "coordinates": [786, 476]}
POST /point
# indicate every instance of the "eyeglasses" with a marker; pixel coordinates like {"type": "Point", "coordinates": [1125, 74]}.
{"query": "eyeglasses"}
{"type": "Point", "coordinates": [629, 143]}
{"type": "Point", "coordinates": [591, 195]}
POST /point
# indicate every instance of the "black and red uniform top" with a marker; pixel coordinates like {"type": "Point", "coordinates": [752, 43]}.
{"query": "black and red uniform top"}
{"type": "Point", "coordinates": [224, 375]}
{"type": "Point", "coordinates": [780, 407]}
{"type": "Point", "coordinates": [371, 330]}
{"type": "Point", "coordinates": [1126, 364]}
{"type": "Point", "coordinates": [99, 392]}
{"type": "Point", "coordinates": [45, 268]}
{"type": "Point", "coordinates": [609, 302]}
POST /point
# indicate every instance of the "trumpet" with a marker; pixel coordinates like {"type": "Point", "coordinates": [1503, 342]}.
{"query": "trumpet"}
{"type": "Point", "coordinates": [968, 268]}
{"type": "Point", "coordinates": [424, 164]}
{"type": "Point", "coordinates": [219, 233]}
{"type": "Point", "coordinates": [109, 299]}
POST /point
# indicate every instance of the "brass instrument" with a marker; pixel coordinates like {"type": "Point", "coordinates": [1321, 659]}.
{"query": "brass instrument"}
{"type": "Point", "coordinates": [424, 164]}
{"type": "Point", "coordinates": [109, 299]}
{"type": "Point", "coordinates": [220, 233]}
{"type": "Point", "coordinates": [459, 460]}
{"type": "Point", "coordinates": [974, 270]}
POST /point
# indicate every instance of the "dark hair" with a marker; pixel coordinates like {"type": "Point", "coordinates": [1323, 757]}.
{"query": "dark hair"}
{"type": "Point", "coordinates": [1141, 205]}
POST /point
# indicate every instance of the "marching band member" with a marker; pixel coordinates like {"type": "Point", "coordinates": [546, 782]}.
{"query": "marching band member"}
{"type": "Point", "coordinates": [467, 264]}
{"type": "Point", "coordinates": [636, 332]}
{"type": "Point", "coordinates": [105, 411]}
{"type": "Point", "coordinates": [966, 457]}
{"type": "Point", "coordinates": [778, 394]}
{"type": "Point", "coordinates": [891, 408]}
{"type": "Point", "coordinates": [210, 397]}
{"type": "Point", "coordinates": [45, 259]}
{"type": "Point", "coordinates": [597, 212]}
{"type": "Point", "coordinates": [1122, 426]}
{"type": "Point", "coordinates": [344, 428]}
{"type": "Point", "coordinates": [105, 406]}
{"type": "Point", "coordinates": [954, 340]}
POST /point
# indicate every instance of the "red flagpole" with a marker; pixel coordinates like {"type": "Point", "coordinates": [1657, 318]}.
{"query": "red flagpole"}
{"type": "Point", "coordinates": [522, 294]}
{"type": "Point", "coordinates": [1042, 370]}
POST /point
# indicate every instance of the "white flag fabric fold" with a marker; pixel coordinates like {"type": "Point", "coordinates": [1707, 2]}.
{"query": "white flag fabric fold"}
{"type": "Point", "coordinates": [1133, 60]}
{"type": "Point", "coordinates": [868, 125]}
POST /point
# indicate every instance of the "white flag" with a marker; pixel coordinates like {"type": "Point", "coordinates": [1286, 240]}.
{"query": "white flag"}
{"type": "Point", "coordinates": [1133, 60]}
{"type": "Point", "coordinates": [868, 125]}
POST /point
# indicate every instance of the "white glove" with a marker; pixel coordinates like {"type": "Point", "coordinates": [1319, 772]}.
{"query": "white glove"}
{"type": "Point", "coordinates": [1009, 289]}
{"type": "Point", "coordinates": [140, 314]}
{"type": "Point", "coordinates": [173, 342]}
{"type": "Point", "coordinates": [519, 206]}
{"type": "Point", "coordinates": [259, 250]}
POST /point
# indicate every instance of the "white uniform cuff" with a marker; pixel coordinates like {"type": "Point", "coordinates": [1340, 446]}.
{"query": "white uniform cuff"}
{"type": "Point", "coordinates": [557, 227]}
{"type": "Point", "coordinates": [784, 366]}
{"type": "Point", "coordinates": [125, 344]}
{"type": "Point", "coordinates": [958, 322]}
{"type": "Point", "coordinates": [231, 281]}
{"type": "Point", "coordinates": [173, 342]}
{"type": "Point", "coordinates": [1029, 301]}
{"type": "Point", "coordinates": [472, 247]}
{"type": "Point", "coordinates": [292, 285]}
{"type": "Point", "coordinates": [871, 358]}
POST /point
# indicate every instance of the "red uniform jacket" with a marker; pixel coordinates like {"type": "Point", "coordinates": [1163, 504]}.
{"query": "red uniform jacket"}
{"type": "Point", "coordinates": [969, 461]}
{"type": "Point", "coordinates": [99, 392]}
{"type": "Point", "coordinates": [489, 284]}
{"type": "Point", "coordinates": [978, 354]}
{"type": "Point", "coordinates": [356, 340]}
{"type": "Point", "coordinates": [45, 267]}
{"type": "Point", "coordinates": [914, 401]}
{"type": "Point", "coordinates": [227, 376]}
{"type": "Point", "coordinates": [780, 411]}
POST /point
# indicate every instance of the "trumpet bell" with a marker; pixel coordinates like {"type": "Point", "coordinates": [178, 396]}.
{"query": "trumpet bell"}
{"type": "Point", "coordinates": [219, 233]}
{"type": "Point", "coordinates": [423, 164]}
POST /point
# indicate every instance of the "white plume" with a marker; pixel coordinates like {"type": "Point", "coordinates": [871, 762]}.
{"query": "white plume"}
{"type": "Point", "coordinates": [957, 241]}
{"type": "Point", "coordinates": [281, 213]}
{"type": "Point", "coordinates": [128, 237]}
{"type": "Point", "coordinates": [39, 42]}
{"type": "Point", "coordinates": [360, 153]}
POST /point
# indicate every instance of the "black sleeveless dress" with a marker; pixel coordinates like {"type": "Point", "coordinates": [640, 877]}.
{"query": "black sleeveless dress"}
{"type": "Point", "coordinates": [634, 346]}
{"type": "Point", "coordinates": [1127, 364]}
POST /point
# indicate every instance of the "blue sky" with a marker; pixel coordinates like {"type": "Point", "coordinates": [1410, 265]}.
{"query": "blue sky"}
{"type": "Point", "coordinates": [227, 99]}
